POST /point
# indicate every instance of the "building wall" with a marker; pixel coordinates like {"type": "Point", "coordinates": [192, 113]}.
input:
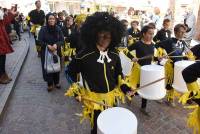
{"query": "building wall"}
{"type": "Point", "coordinates": [71, 7]}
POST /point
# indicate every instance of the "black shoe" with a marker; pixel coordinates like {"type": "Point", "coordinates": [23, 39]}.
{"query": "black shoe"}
{"type": "Point", "coordinates": [39, 55]}
{"type": "Point", "coordinates": [145, 112]}
{"type": "Point", "coordinates": [50, 88]}
{"type": "Point", "coordinates": [58, 86]}
{"type": "Point", "coordinates": [159, 101]}
{"type": "Point", "coordinates": [170, 103]}
{"type": "Point", "coordinates": [189, 102]}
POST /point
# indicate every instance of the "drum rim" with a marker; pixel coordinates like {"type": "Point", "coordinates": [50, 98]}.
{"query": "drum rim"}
{"type": "Point", "coordinates": [99, 126]}
{"type": "Point", "coordinates": [153, 98]}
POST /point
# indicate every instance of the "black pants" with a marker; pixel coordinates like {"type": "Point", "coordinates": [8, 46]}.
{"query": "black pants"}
{"type": "Point", "coordinates": [17, 29]}
{"type": "Point", "coordinates": [96, 114]}
{"type": "Point", "coordinates": [53, 79]}
{"type": "Point", "coordinates": [144, 103]}
{"type": "Point", "coordinates": [38, 47]}
{"type": "Point", "coordinates": [191, 73]}
{"type": "Point", "coordinates": [2, 64]}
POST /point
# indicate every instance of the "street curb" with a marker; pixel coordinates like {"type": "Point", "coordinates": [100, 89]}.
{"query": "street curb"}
{"type": "Point", "coordinates": [4, 98]}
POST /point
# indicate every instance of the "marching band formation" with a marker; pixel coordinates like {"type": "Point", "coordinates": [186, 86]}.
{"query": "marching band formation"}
{"type": "Point", "coordinates": [105, 63]}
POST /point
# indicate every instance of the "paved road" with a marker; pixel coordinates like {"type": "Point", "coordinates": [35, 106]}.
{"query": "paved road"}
{"type": "Point", "coordinates": [13, 58]}
{"type": "Point", "coordinates": [32, 110]}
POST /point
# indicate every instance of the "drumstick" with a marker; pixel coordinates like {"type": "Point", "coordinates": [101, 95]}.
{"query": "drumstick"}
{"type": "Point", "coordinates": [180, 56]}
{"type": "Point", "coordinates": [93, 101]}
{"type": "Point", "coordinates": [146, 85]}
{"type": "Point", "coordinates": [171, 52]}
{"type": "Point", "coordinates": [150, 56]}
{"type": "Point", "coordinates": [145, 57]}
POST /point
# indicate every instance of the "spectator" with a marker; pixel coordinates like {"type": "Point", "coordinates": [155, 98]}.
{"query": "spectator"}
{"type": "Point", "coordinates": [51, 38]}
{"type": "Point", "coordinates": [16, 23]}
{"type": "Point", "coordinates": [37, 19]}
{"type": "Point", "coordinates": [189, 22]}
{"type": "Point", "coordinates": [124, 42]}
{"type": "Point", "coordinates": [134, 31]}
{"type": "Point", "coordinates": [60, 21]}
{"type": "Point", "coordinates": [5, 47]}
{"type": "Point", "coordinates": [164, 33]}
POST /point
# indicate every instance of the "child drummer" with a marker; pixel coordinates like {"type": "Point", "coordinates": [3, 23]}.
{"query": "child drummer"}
{"type": "Point", "coordinates": [99, 65]}
{"type": "Point", "coordinates": [190, 75]}
{"type": "Point", "coordinates": [144, 48]}
{"type": "Point", "coordinates": [178, 48]}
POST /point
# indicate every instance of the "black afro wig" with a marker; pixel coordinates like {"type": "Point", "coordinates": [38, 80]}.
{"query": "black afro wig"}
{"type": "Point", "coordinates": [98, 22]}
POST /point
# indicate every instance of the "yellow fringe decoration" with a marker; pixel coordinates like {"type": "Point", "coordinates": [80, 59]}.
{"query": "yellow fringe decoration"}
{"type": "Point", "coordinates": [193, 88]}
{"type": "Point", "coordinates": [190, 55]}
{"type": "Point", "coordinates": [132, 40]}
{"type": "Point", "coordinates": [120, 49]}
{"type": "Point", "coordinates": [126, 51]}
{"type": "Point", "coordinates": [193, 120]}
{"type": "Point", "coordinates": [170, 95]}
{"type": "Point", "coordinates": [160, 52]}
{"type": "Point", "coordinates": [134, 78]}
{"type": "Point", "coordinates": [28, 18]}
{"type": "Point", "coordinates": [80, 19]}
{"type": "Point", "coordinates": [177, 94]}
{"type": "Point", "coordinates": [185, 97]}
{"type": "Point", "coordinates": [33, 28]}
{"type": "Point", "coordinates": [66, 51]}
{"type": "Point", "coordinates": [109, 98]}
{"type": "Point", "coordinates": [38, 48]}
{"type": "Point", "coordinates": [169, 71]}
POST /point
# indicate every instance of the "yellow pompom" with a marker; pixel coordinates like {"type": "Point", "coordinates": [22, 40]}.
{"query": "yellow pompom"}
{"type": "Point", "coordinates": [134, 78]}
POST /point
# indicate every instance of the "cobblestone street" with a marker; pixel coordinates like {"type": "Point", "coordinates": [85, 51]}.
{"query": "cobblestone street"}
{"type": "Point", "coordinates": [32, 110]}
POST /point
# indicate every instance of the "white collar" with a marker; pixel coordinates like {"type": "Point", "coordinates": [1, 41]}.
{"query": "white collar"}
{"type": "Point", "coordinates": [102, 57]}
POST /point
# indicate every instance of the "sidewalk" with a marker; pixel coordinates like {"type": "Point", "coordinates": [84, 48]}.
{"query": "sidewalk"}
{"type": "Point", "coordinates": [14, 63]}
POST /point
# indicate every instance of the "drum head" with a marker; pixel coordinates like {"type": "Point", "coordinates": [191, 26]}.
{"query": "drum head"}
{"type": "Point", "coordinates": [179, 83]}
{"type": "Point", "coordinates": [126, 64]}
{"type": "Point", "coordinates": [151, 73]}
{"type": "Point", "coordinates": [117, 120]}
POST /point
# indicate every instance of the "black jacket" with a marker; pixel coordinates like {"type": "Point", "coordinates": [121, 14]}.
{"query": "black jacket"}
{"type": "Point", "coordinates": [101, 78]}
{"type": "Point", "coordinates": [196, 51]}
{"type": "Point", "coordinates": [142, 50]}
{"type": "Point", "coordinates": [171, 45]}
{"type": "Point", "coordinates": [162, 35]}
{"type": "Point", "coordinates": [136, 34]}
{"type": "Point", "coordinates": [66, 33]}
{"type": "Point", "coordinates": [37, 17]}
{"type": "Point", "coordinates": [76, 42]}
{"type": "Point", "coordinates": [60, 23]}
{"type": "Point", "coordinates": [46, 38]}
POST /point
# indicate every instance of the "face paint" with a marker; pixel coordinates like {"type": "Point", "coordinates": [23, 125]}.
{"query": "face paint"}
{"type": "Point", "coordinates": [1, 15]}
